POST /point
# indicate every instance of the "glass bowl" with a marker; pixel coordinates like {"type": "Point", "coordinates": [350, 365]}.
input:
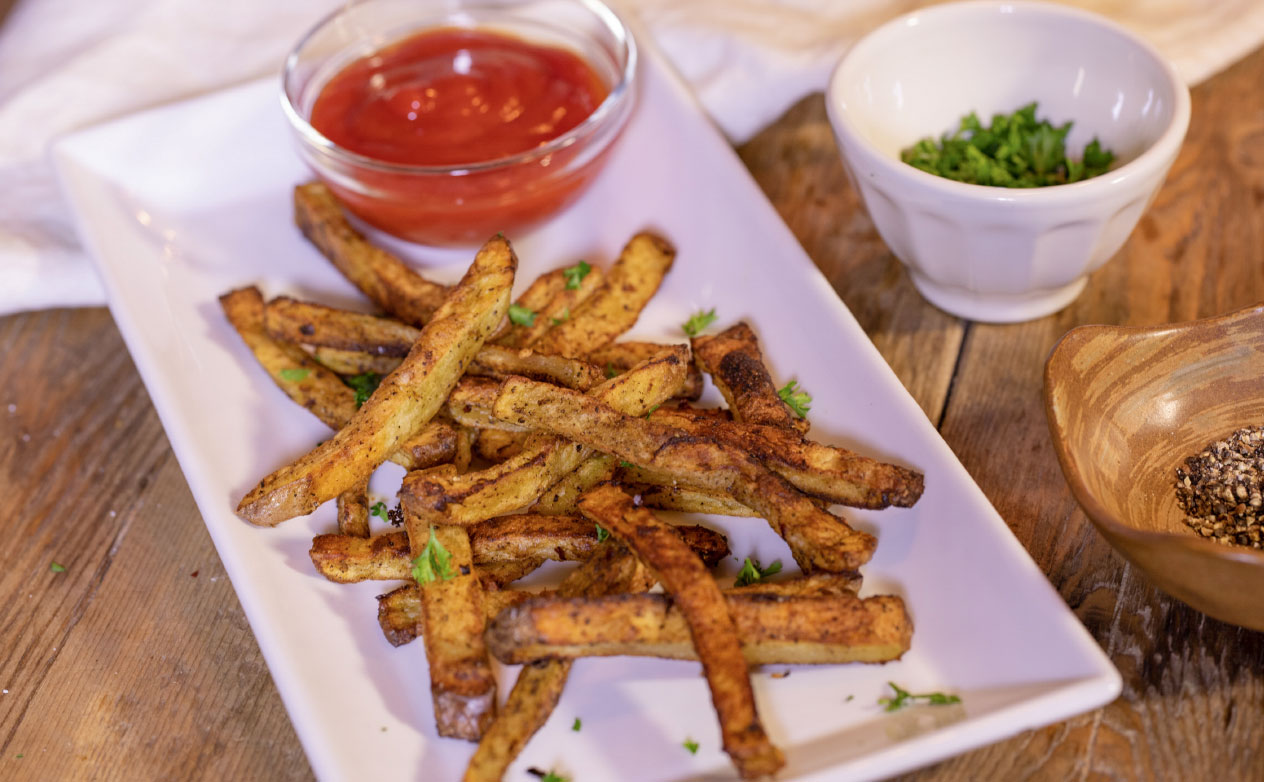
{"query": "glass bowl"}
{"type": "Point", "coordinates": [463, 203]}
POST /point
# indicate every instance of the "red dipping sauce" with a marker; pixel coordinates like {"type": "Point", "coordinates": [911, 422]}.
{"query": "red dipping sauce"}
{"type": "Point", "coordinates": [477, 109]}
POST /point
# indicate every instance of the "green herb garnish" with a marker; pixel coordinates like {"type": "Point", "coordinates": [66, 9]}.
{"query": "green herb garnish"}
{"type": "Point", "coordinates": [800, 401]}
{"type": "Point", "coordinates": [577, 724]}
{"type": "Point", "coordinates": [650, 412]}
{"type": "Point", "coordinates": [610, 371]}
{"type": "Point", "coordinates": [905, 698]}
{"type": "Point", "coordinates": [364, 385]}
{"type": "Point", "coordinates": [691, 745]}
{"type": "Point", "coordinates": [602, 533]}
{"type": "Point", "coordinates": [295, 374]}
{"type": "Point", "coordinates": [1016, 150]}
{"type": "Point", "coordinates": [434, 563]}
{"type": "Point", "coordinates": [379, 510]}
{"type": "Point", "coordinates": [575, 274]}
{"type": "Point", "coordinates": [521, 316]}
{"type": "Point", "coordinates": [699, 321]}
{"type": "Point", "coordinates": [752, 573]}
{"type": "Point", "coordinates": [566, 313]}
{"type": "Point", "coordinates": [57, 568]}
{"type": "Point", "coordinates": [623, 463]}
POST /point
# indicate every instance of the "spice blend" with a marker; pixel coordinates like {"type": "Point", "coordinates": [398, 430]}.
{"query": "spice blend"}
{"type": "Point", "coordinates": [1220, 489]}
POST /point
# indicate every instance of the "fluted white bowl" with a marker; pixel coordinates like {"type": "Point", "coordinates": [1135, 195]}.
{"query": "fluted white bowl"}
{"type": "Point", "coordinates": [992, 253]}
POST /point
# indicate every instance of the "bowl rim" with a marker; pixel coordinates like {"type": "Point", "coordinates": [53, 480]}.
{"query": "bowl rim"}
{"type": "Point", "coordinates": [1154, 157]}
{"type": "Point", "coordinates": [620, 93]}
{"type": "Point", "coordinates": [1097, 514]}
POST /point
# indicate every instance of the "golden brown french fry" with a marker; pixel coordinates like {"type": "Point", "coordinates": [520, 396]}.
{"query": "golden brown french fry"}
{"type": "Point", "coordinates": [462, 685]}
{"type": "Point", "coordinates": [307, 323]}
{"type": "Point", "coordinates": [535, 298]}
{"type": "Point", "coordinates": [706, 615]}
{"type": "Point", "coordinates": [611, 570]}
{"type": "Point", "coordinates": [353, 511]}
{"type": "Point", "coordinates": [399, 611]}
{"type": "Point", "coordinates": [562, 496]}
{"type": "Point", "coordinates": [736, 366]}
{"type": "Point", "coordinates": [830, 473]}
{"type": "Point", "coordinates": [618, 357]}
{"type": "Point", "coordinates": [527, 537]}
{"type": "Point", "coordinates": [517, 482]}
{"type": "Point", "coordinates": [497, 445]}
{"type": "Point", "coordinates": [684, 499]}
{"type": "Point", "coordinates": [470, 404]}
{"type": "Point", "coordinates": [560, 307]}
{"type": "Point", "coordinates": [500, 362]}
{"type": "Point", "coordinates": [786, 629]}
{"type": "Point", "coordinates": [388, 282]}
{"type": "Point", "coordinates": [405, 401]}
{"type": "Point", "coordinates": [319, 390]}
{"type": "Point", "coordinates": [614, 307]}
{"type": "Point", "coordinates": [818, 539]}
{"type": "Point", "coordinates": [351, 362]}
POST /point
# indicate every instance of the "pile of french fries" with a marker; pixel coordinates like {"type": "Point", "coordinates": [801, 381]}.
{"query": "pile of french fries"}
{"type": "Point", "coordinates": [540, 437]}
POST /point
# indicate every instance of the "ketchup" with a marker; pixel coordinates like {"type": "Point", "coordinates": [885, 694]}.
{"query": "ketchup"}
{"type": "Point", "coordinates": [454, 97]}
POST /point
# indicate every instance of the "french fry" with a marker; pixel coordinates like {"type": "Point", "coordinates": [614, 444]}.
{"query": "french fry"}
{"type": "Point", "coordinates": [611, 570]}
{"type": "Point", "coordinates": [706, 615]}
{"type": "Point", "coordinates": [830, 473]}
{"type": "Point", "coordinates": [500, 362]}
{"type": "Point", "coordinates": [347, 559]}
{"type": "Point", "coordinates": [618, 357]}
{"type": "Point", "coordinates": [562, 496]}
{"type": "Point", "coordinates": [316, 388]}
{"type": "Point", "coordinates": [388, 282]}
{"type": "Point", "coordinates": [560, 307]}
{"type": "Point", "coordinates": [614, 307]}
{"type": "Point", "coordinates": [537, 296]}
{"type": "Point", "coordinates": [404, 402]}
{"type": "Point", "coordinates": [399, 611]}
{"type": "Point", "coordinates": [736, 366]}
{"type": "Point", "coordinates": [351, 362]}
{"type": "Point", "coordinates": [497, 445]}
{"type": "Point", "coordinates": [307, 323]}
{"type": "Point", "coordinates": [470, 404]}
{"type": "Point", "coordinates": [818, 539]}
{"type": "Point", "coordinates": [784, 629]}
{"type": "Point", "coordinates": [517, 482]}
{"type": "Point", "coordinates": [353, 511]}
{"type": "Point", "coordinates": [684, 499]}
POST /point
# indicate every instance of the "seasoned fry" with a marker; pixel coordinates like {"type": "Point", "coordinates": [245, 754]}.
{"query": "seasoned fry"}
{"type": "Point", "coordinates": [560, 307]}
{"type": "Point", "coordinates": [319, 390]}
{"type": "Point", "coordinates": [614, 307]}
{"type": "Point", "coordinates": [501, 362]}
{"type": "Point", "coordinates": [830, 473]}
{"type": "Point", "coordinates": [517, 482]}
{"type": "Point", "coordinates": [536, 297]}
{"type": "Point", "coordinates": [386, 280]}
{"type": "Point", "coordinates": [562, 496]}
{"type": "Point", "coordinates": [307, 323]}
{"type": "Point", "coordinates": [611, 570]}
{"type": "Point", "coordinates": [497, 445]}
{"type": "Point", "coordinates": [353, 511]}
{"type": "Point", "coordinates": [399, 611]}
{"type": "Point", "coordinates": [461, 681]}
{"type": "Point", "coordinates": [351, 362]}
{"type": "Point", "coordinates": [688, 500]}
{"type": "Point", "coordinates": [818, 539]}
{"type": "Point", "coordinates": [783, 629]}
{"type": "Point", "coordinates": [705, 613]}
{"type": "Point", "coordinates": [618, 357]}
{"type": "Point", "coordinates": [470, 404]}
{"type": "Point", "coordinates": [495, 575]}
{"type": "Point", "coordinates": [405, 401]}
{"type": "Point", "coordinates": [736, 366]}
{"type": "Point", "coordinates": [500, 541]}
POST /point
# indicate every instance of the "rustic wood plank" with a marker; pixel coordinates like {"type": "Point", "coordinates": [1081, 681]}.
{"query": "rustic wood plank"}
{"type": "Point", "coordinates": [125, 666]}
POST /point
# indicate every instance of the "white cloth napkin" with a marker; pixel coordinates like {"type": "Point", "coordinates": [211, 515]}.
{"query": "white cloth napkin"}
{"type": "Point", "coordinates": [68, 64]}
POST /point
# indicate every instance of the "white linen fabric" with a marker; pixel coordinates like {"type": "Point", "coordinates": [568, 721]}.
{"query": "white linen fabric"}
{"type": "Point", "coordinates": [68, 64]}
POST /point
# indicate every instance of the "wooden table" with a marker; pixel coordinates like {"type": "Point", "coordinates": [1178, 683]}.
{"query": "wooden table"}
{"type": "Point", "coordinates": [137, 663]}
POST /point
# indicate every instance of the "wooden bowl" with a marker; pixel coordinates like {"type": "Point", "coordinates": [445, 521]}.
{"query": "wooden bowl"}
{"type": "Point", "coordinates": [1126, 407]}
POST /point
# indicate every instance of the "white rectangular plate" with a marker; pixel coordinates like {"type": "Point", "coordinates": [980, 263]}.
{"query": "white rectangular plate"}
{"type": "Point", "coordinates": [183, 203]}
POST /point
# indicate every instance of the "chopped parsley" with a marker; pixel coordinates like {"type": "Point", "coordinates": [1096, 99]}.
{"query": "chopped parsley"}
{"type": "Point", "coordinates": [575, 274]}
{"type": "Point", "coordinates": [610, 370]}
{"type": "Point", "coordinates": [295, 374]}
{"type": "Point", "coordinates": [379, 510]}
{"type": "Point", "coordinates": [566, 313]}
{"type": "Point", "coordinates": [800, 401]}
{"type": "Point", "coordinates": [691, 745]}
{"type": "Point", "coordinates": [650, 412]}
{"type": "Point", "coordinates": [1016, 150]}
{"type": "Point", "coordinates": [905, 698]}
{"type": "Point", "coordinates": [521, 316]}
{"type": "Point", "coordinates": [57, 568]}
{"type": "Point", "coordinates": [364, 385]}
{"type": "Point", "coordinates": [699, 321]}
{"type": "Point", "coordinates": [547, 776]}
{"type": "Point", "coordinates": [602, 533]}
{"type": "Point", "coordinates": [752, 573]}
{"type": "Point", "coordinates": [434, 563]}
{"type": "Point", "coordinates": [624, 463]}
{"type": "Point", "coordinates": [578, 723]}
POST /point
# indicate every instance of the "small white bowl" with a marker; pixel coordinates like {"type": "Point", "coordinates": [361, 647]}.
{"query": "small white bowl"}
{"type": "Point", "coordinates": [991, 253]}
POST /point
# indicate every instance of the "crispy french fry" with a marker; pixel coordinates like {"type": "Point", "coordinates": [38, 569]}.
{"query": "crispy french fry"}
{"type": "Point", "coordinates": [618, 357]}
{"type": "Point", "coordinates": [307, 323]}
{"type": "Point", "coordinates": [706, 615]}
{"type": "Point", "coordinates": [319, 390]}
{"type": "Point", "coordinates": [353, 511]}
{"type": "Point", "coordinates": [405, 401]}
{"type": "Point", "coordinates": [535, 298]}
{"type": "Point", "coordinates": [388, 282]}
{"type": "Point", "coordinates": [351, 362]}
{"type": "Point", "coordinates": [684, 499]}
{"type": "Point", "coordinates": [498, 574]}
{"type": "Point", "coordinates": [560, 307]}
{"type": "Point", "coordinates": [611, 570]}
{"type": "Point", "coordinates": [470, 404]}
{"type": "Point", "coordinates": [818, 539]}
{"type": "Point", "coordinates": [503, 540]}
{"type": "Point", "coordinates": [614, 307]}
{"type": "Point", "coordinates": [562, 496]}
{"type": "Point", "coordinates": [501, 362]}
{"type": "Point", "coordinates": [786, 629]}
{"type": "Point", "coordinates": [399, 611]}
{"type": "Point", "coordinates": [830, 473]}
{"type": "Point", "coordinates": [736, 366]}
{"type": "Point", "coordinates": [517, 482]}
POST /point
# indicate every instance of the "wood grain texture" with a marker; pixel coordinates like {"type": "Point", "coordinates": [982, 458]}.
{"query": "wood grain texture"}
{"type": "Point", "coordinates": [126, 666]}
